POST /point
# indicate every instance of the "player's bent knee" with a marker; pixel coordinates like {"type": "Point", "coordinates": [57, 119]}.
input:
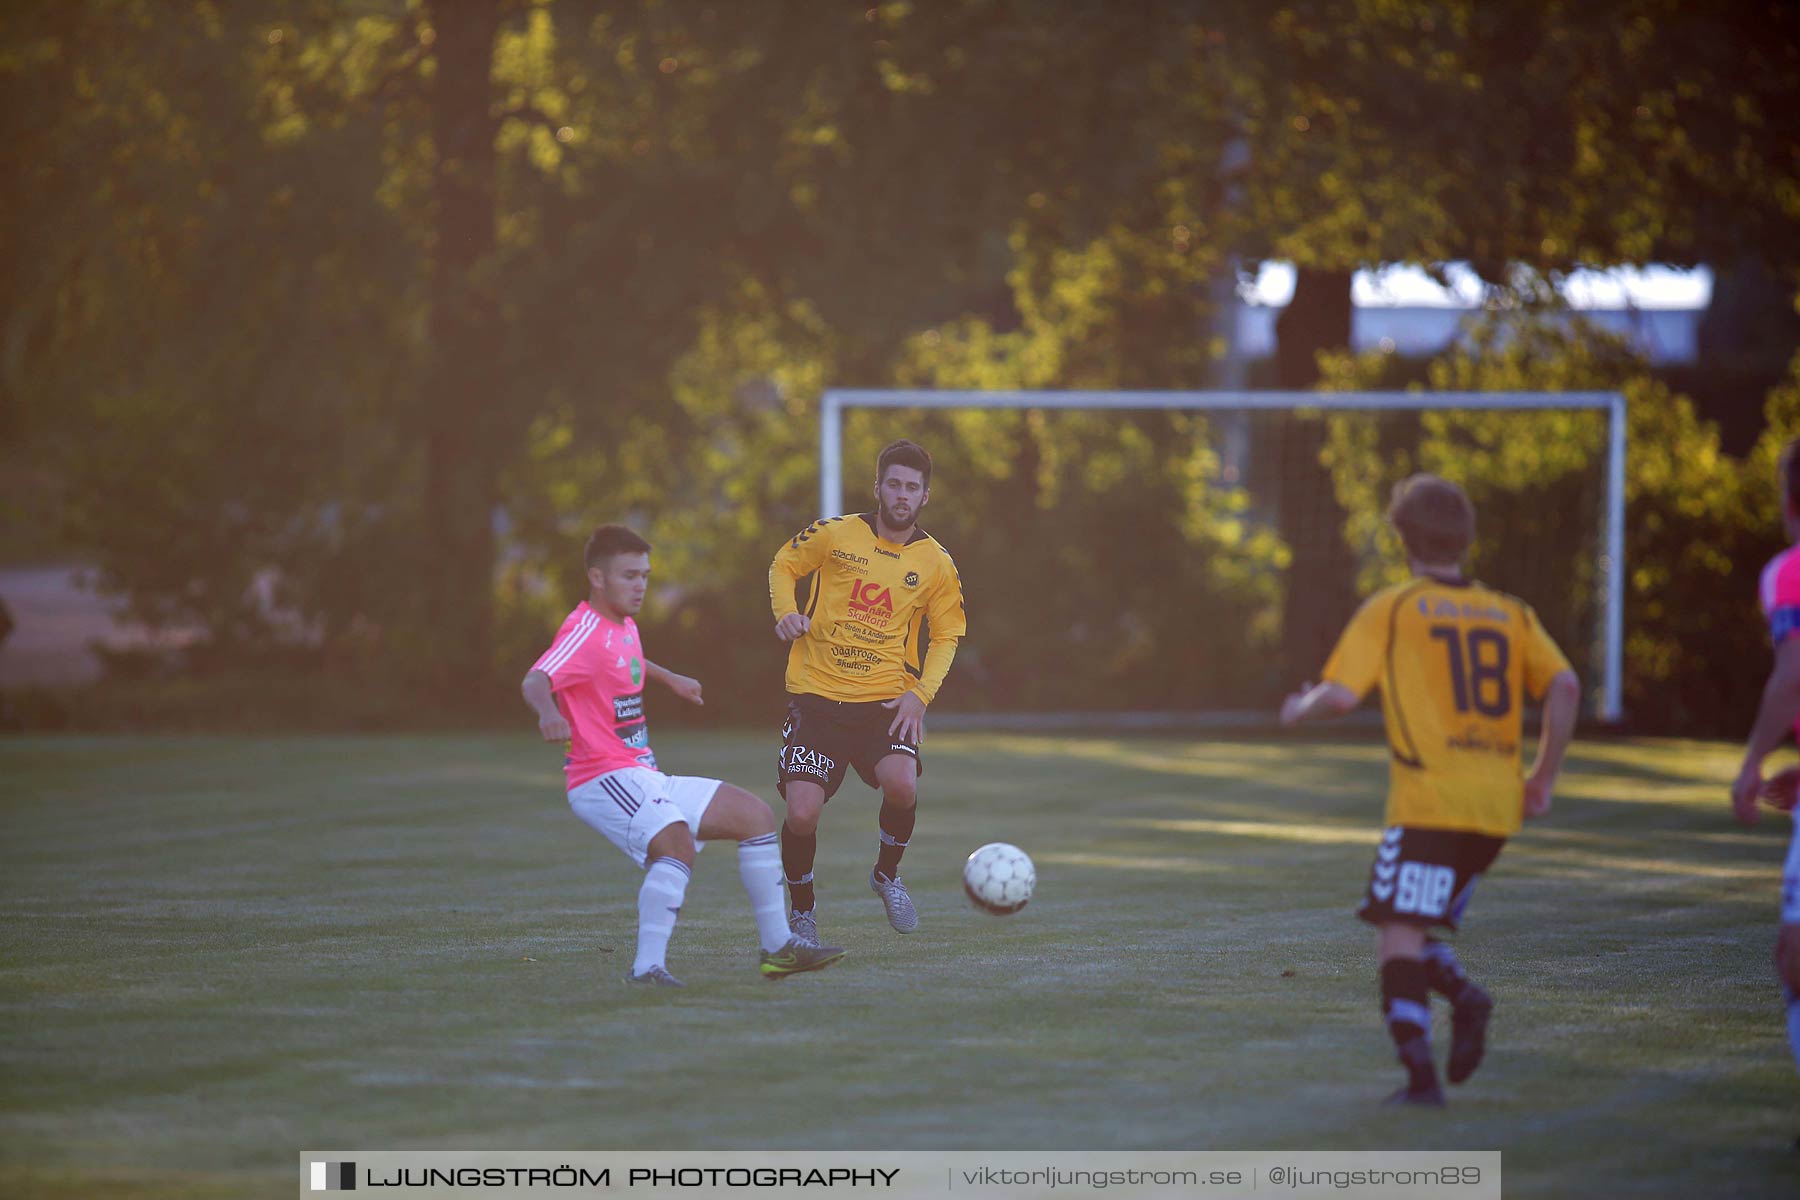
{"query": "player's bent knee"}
{"type": "Point", "coordinates": [750, 812]}
{"type": "Point", "coordinates": [1401, 940]}
{"type": "Point", "coordinates": [898, 779]}
{"type": "Point", "coordinates": [675, 841]}
{"type": "Point", "coordinates": [761, 821]}
{"type": "Point", "coordinates": [803, 813]}
{"type": "Point", "coordinates": [736, 814]}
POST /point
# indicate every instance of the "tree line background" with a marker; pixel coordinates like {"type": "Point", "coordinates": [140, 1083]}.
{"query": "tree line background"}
{"type": "Point", "coordinates": [329, 329]}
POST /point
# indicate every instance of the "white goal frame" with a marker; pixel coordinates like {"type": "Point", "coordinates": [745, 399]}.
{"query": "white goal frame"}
{"type": "Point", "coordinates": [1612, 559]}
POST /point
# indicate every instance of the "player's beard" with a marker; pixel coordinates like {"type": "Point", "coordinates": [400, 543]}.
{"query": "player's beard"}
{"type": "Point", "coordinates": [894, 521]}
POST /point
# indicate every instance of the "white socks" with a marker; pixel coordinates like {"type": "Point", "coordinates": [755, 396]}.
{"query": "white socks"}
{"type": "Point", "coordinates": [659, 902]}
{"type": "Point", "coordinates": [665, 887]}
{"type": "Point", "coordinates": [759, 866]}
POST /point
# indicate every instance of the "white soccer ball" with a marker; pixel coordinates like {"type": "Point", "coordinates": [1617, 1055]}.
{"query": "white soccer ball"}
{"type": "Point", "coordinates": [999, 878]}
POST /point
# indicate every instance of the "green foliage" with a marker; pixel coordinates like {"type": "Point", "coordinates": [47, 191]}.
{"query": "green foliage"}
{"type": "Point", "coordinates": [323, 318]}
{"type": "Point", "coordinates": [1091, 544]}
{"type": "Point", "coordinates": [1554, 135]}
{"type": "Point", "coordinates": [205, 351]}
{"type": "Point", "coordinates": [1698, 522]}
{"type": "Point", "coordinates": [1781, 424]}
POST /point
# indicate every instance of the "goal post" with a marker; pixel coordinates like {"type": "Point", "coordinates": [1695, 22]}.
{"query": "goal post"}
{"type": "Point", "coordinates": [1610, 575]}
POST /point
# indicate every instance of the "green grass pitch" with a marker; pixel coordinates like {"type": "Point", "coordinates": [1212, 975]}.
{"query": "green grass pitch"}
{"type": "Point", "coordinates": [217, 953]}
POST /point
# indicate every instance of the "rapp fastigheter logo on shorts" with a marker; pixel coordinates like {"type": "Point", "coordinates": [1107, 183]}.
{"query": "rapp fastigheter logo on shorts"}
{"type": "Point", "coordinates": [806, 761]}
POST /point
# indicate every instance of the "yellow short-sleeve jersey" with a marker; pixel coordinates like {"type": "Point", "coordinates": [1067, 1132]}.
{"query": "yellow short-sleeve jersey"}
{"type": "Point", "coordinates": [1455, 663]}
{"type": "Point", "coordinates": [885, 618]}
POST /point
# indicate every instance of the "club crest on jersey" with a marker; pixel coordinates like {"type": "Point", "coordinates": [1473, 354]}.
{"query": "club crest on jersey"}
{"type": "Point", "coordinates": [637, 670]}
{"type": "Point", "coordinates": [912, 579]}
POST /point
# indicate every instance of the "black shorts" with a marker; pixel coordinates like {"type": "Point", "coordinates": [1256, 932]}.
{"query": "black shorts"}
{"type": "Point", "coordinates": [1426, 876]}
{"type": "Point", "coordinates": [821, 737]}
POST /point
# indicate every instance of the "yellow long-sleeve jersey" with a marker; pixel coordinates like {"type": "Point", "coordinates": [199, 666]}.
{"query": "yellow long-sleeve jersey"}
{"type": "Point", "coordinates": [1455, 663]}
{"type": "Point", "coordinates": [885, 618]}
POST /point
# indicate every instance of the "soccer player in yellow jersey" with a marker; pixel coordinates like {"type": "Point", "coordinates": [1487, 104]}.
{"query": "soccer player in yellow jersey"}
{"type": "Point", "coordinates": [880, 628]}
{"type": "Point", "coordinates": [1454, 662]}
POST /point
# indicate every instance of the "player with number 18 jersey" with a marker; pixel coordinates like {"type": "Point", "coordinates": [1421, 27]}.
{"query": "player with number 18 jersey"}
{"type": "Point", "coordinates": [1455, 663]}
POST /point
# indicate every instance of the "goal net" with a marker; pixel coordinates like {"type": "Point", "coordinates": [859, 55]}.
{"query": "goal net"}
{"type": "Point", "coordinates": [1146, 558]}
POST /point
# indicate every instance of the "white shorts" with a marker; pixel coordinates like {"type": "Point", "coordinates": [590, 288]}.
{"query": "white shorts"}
{"type": "Point", "coordinates": [632, 805]}
{"type": "Point", "coordinates": [1790, 881]}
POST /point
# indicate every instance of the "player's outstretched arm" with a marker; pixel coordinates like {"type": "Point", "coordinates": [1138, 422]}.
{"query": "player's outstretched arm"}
{"type": "Point", "coordinates": [685, 686]}
{"type": "Point", "coordinates": [1561, 700]}
{"type": "Point", "coordinates": [1317, 701]}
{"type": "Point", "coordinates": [536, 690]}
{"type": "Point", "coordinates": [1774, 718]}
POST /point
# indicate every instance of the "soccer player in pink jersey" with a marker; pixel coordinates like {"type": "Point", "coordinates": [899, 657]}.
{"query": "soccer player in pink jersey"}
{"type": "Point", "coordinates": [588, 689]}
{"type": "Point", "coordinates": [1776, 717]}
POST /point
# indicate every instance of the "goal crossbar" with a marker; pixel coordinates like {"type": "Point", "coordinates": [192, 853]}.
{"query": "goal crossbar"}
{"type": "Point", "coordinates": [837, 401]}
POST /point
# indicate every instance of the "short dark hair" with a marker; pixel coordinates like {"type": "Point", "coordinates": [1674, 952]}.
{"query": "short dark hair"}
{"type": "Point", "coordinates": [1790, 473]}
{"type": "Point", "coordinates": [1434, 518]}
{"type": "Point", "coordinates": [903, 454]}
{"type": "Point", "coordinates": [609, 540]}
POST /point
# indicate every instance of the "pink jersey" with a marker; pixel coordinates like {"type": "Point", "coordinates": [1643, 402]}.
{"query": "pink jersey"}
{"type": "Point", "coordinates": [596, 669]}
{"type": "Point", "coordinates": [1781, 598]}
